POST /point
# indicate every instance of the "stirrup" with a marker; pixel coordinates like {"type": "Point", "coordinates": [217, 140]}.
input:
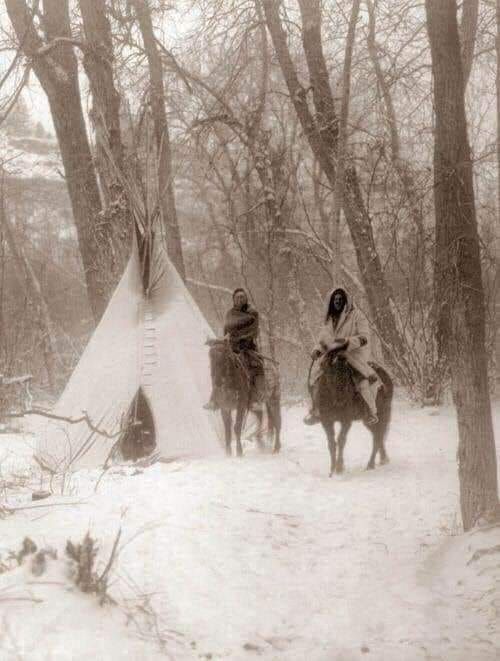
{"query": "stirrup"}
{"type": "Point", "coordinates": [210, 406]}
{"type": "Point", "coordinates": [256, 407]}
{"type": "Point", "coordinates": [372, 419]}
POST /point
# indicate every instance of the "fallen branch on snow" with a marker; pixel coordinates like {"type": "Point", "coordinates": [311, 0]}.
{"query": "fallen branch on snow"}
{"type": "Point", "coordinates": [72, 421]}
{"type": "Point", "coordinates": [480, 553]}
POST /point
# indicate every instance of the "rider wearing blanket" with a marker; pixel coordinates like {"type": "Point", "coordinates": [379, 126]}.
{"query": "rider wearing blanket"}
{"type": "Point", "coordinates": [346, 332]}
{"type": "Point", "coordinates": [241, 329]}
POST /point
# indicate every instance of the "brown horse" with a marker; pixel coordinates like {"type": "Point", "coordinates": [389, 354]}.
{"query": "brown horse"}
{"type": "Point", "coordinates": [235, 393]}
{"type": "Point", "coordinates": [339, 401]}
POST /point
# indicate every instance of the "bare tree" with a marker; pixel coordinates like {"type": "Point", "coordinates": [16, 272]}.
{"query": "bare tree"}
{"type": "Point", "coordinates": [459, 266]}
{"type": "Point", "coordinates": [338, 193]}
{"type": "Point", "coordinates": [428, 358]}
{"type": "Point", "coordinates": [322, 133]}
{"type": "Point", "coordinates": [23, 266]}
{"type": "Point", "coordinates": [99, 62]}
{"type": "Point", "coordinates": [162, 135]}
{"type": "Point", "coordinates": [53, 60]}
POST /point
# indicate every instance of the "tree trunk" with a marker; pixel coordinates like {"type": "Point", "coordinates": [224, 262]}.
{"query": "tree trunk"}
{"type": "Point", "coordinates": [98, 61]}
{"type": "Point", "coordinates": [55, 66]}
{"type": "Point", "coordinates": [468, 29]}
{"type": "Point", "coordinates": [322, 133]}
{"type": "Point", "coordinates": [459, 264]}
{"type": "Point", "coordinates": [162, 136]}
{"type": "Point", "coordinates": [338, 193]}
{"type": "Point", "coordinates": [497, 274]}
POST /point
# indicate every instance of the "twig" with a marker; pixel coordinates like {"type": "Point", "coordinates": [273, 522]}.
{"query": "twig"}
{"type": "Point", "coordinates": [32, 507]}
{"type": "Point", "coordinates": [72, 421]}
{"type": "Point", "coordinates": [102, 578]}
{"type": "Point", "coordinates": [32, 599]}
{"type": "Point", "coordinates": [482, 552]}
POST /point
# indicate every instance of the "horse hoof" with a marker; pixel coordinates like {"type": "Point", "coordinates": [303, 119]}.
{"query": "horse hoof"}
{"type": "Point", "coordinates": [276, 450]}
{"type": "Point", "coordinates": [370, 467]}
{"type": "Point", "coordinates": [339, 470]}
{"type": "Point", "coordinates": [384, 461]}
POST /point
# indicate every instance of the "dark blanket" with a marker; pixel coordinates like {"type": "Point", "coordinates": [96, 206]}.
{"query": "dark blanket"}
{"type": "Point", "coordinates": [242, 326]}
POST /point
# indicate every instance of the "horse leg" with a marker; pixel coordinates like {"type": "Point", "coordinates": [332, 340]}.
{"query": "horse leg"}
{"type": "Point", "coordinates": [329, 428]}
{"type": "Point", "coordinates": [226, 418]}
{"type": "Point", "coordinates": [379, 434]}
{"type": "Point", "coordinates": [258, 434]}
{"type": "Point", "coordinates": [274, 415]}
{"type": "Point", "coordinates": [238, 426]}
{"type": "Point", "coordinates": [375, 446]}
{"type": "Point", "coordinates": [344, 430]}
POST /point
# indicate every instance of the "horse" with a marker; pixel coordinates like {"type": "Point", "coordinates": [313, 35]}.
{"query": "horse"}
{"type": "Point", "coordinates": [235, 394]}
{"type": "Point", "coordinates": [339, 401]}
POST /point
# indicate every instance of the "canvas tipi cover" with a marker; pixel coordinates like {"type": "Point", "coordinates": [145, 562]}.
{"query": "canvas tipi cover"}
{"type": "Point", "coordinates": [154, 341]}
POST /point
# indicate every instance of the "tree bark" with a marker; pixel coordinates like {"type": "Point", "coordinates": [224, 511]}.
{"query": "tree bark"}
{"type": "Point", "coordinates": [162, 136]}
{"type": "Point", "coordinates": [322, 133]}
{"type": "Point", "coordinates": [98, 62]}
{"type": "Point", "coordinates": [55, 66]}
{"type": "Point", "coordinates": [468, 29]}
{"type": "Point", "coordinates": [459, 265]}
{"type": "Point", "coordinates": [497, 252]}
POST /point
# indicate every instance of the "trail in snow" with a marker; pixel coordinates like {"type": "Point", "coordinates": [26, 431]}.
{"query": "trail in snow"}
{"type": "Point", "coordinates": [266, 557]}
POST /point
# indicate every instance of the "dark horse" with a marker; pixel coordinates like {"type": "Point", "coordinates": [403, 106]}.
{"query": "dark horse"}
{"type": "Point", "coordinates": [339, 401]}
{"type": "Point", "coordinates": [235, 392]}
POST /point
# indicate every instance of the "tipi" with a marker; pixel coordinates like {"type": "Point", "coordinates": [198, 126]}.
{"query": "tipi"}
{"type": "Point", "coordinates": [143, 378]}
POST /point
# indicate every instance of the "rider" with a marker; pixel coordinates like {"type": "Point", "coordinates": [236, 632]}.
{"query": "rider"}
{"type": "Point", "coordinates": [346, 330]}
{"type": "Point", "coordinates": [241, 329]}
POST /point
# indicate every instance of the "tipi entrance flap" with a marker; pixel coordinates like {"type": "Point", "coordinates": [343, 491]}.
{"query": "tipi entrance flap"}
{"type": "Point", "coordinates": [138, 439]}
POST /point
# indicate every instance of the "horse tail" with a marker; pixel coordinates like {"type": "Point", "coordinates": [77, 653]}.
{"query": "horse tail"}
{"type": "Point", "coordinates": [387, 394]}
{"type": "Point", "coordinates": [273, 410]}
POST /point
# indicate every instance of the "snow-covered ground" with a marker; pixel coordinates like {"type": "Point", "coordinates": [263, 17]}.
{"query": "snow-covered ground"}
{"type": "Point", "coordinates": [262, 557]}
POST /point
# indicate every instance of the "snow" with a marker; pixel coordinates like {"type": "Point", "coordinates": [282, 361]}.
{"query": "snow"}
{"type": "Point", "coordinates": [262, 557]}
